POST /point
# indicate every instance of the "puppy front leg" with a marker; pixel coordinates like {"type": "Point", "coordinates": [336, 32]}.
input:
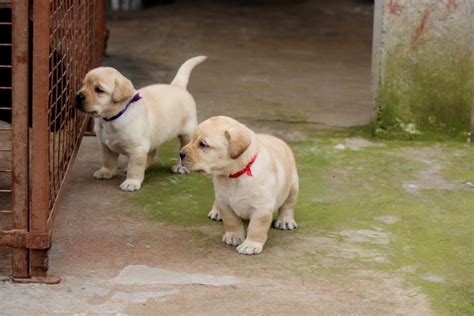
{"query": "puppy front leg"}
{"type": "Point", "coordinates": [109, 167]}
{"type": "Point", "coordinates": [234, 232]}
{"type": "Point", "coordinates": [135, 172]}
{"type": "Point", "coordinates": [256, 234]}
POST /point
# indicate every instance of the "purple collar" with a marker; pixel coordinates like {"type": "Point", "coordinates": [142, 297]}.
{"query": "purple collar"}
{"type": "Point", "coordinates": [135, 98]}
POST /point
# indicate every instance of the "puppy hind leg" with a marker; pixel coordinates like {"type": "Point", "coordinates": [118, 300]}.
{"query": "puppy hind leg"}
{"type": "Point", "coordinates": [109, 166]}
{"type": "Point", "coordinates": [286, 219]}
{"type": "Point", "coordinates": [150, 158]}
{"type": "Point", "coordinates": [214, 214]}
{"type": "Point", "coordinates": [179, 168]}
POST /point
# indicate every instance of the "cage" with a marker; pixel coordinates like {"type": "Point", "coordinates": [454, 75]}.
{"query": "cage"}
{"type": "Point", "coordinates": [46, 48]}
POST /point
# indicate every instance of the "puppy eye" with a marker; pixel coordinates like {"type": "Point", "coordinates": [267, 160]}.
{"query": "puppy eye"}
{"type": "Point", "coordinates": [203, 144]}
{"type": "Point", "coordinates": [99, 90]}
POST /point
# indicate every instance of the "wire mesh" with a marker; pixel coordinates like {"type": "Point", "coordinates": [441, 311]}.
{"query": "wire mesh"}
{"type": "Point", "coordinates": [73, 51]}
{"type": "Point", "coordinates": [5, 109]}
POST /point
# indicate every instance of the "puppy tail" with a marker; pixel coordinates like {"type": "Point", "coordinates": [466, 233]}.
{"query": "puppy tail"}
{"type": "Point", "coordinates": [182, 76]}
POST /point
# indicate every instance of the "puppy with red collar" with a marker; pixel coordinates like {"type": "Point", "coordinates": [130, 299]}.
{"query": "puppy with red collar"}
{"type": "Point", "coordinates": [253, 176]}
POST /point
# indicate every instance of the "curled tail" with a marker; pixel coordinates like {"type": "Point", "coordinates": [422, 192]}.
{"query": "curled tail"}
{"type": "Point", "coordinates": [182, 76]}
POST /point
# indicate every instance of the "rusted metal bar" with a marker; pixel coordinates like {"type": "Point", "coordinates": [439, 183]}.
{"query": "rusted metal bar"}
{"type": "Point", "coordinates": [20, 165]}
{"type": "Point", "coordinates": [39, 179]}
{"type": "Point", "coordinates": [101, 31]}
{"type": "Point", "coordinates": [68, 40]}
{"type": "Point", "coordinates": [22, 239]}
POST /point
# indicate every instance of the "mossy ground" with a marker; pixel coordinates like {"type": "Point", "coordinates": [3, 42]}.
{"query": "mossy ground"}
{"type": "Point", "coordinates": [350, 190]}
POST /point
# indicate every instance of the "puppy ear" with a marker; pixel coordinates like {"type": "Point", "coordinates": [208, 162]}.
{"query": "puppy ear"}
{"type": "Point", "coordinates": [239, 141]}
{"type": "Point", "coordinates": [123, 89]}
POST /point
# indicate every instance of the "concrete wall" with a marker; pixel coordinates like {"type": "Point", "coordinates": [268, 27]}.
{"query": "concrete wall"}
{"type": "Point", "coordinates": [423, 68]}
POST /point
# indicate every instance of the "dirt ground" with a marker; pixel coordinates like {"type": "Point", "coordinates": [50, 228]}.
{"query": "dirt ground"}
{"type": "Point", "coordinates": [289, 69]}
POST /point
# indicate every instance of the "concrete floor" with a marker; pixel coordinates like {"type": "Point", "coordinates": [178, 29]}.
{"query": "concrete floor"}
{"type": "Point", "coordinates": [288, 62]}
{"type": "Point", "coordinates": [113, 259]}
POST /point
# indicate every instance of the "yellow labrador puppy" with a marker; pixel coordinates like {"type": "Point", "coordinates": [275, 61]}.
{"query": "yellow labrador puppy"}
{"type": "Point", "coordinates": [136, 122]}
{"type": "Point", "coordinates": [253, 175]}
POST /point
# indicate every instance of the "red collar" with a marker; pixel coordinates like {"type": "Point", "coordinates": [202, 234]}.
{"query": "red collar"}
{"type": "Point", "coordinates": [246, 170]}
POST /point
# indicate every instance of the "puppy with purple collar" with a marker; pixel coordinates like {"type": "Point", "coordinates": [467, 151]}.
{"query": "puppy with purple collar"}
{"type": "Point", "coordinates": [253, 176]}
{"type": "Point", "coordinates": [136, 122]}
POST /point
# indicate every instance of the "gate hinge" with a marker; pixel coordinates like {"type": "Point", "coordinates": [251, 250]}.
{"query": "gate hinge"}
{"type": "Point", "coordinates": [20, 238]}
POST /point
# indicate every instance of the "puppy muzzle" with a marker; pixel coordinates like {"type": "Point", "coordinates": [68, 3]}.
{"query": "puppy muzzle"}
{"type": "Point", "coordinates": [79, 104]}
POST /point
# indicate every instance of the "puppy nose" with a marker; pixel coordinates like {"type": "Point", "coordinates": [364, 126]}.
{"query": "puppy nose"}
{"type": "Point", "coordinates": [79, 98]}
{"type": "Point", "coordinates": [182, 155]}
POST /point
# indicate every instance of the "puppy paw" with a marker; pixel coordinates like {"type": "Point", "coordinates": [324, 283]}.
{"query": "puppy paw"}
{"type": "Point", "coordinates": [214, 215]}
{"type": "Point", "coordinates": [233, 239]}
{"type": "Point", "coordinates": [104, 173]}
{"type": "Point", "coordinates": [285, 224]}
{"type": "Point", "coordinates": [179, 169]}
{"type": "Point", "coordinates": [250, 248]}
{"type": "Point", "coordinates": [130, 185]}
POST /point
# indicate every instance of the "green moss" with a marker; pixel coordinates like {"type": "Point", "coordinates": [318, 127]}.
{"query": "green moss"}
{"type": "Point", "coordinates": [346, 190]}
{"type": "Point", "coordinates": [426, 93]}
{"type": "Point", "coordinates": [435, 236]}
{"type": "Point", "coordinates": [173, 198]}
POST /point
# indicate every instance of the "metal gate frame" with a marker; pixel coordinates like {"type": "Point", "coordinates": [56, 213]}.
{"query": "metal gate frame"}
{"type": "Point", "coordinates": [40, 169]}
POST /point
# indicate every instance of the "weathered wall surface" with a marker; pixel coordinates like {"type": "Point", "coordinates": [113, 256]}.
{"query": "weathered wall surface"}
{"type": "Point", "coordinates": [424, 68]}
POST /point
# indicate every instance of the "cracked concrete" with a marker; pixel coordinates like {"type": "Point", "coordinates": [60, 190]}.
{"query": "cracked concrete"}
{"type": "Point", "coordinates": [140, 274]}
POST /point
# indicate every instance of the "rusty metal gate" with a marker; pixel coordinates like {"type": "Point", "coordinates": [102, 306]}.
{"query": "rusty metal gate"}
{"type": "Point", "coordinates": [46, 48]}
